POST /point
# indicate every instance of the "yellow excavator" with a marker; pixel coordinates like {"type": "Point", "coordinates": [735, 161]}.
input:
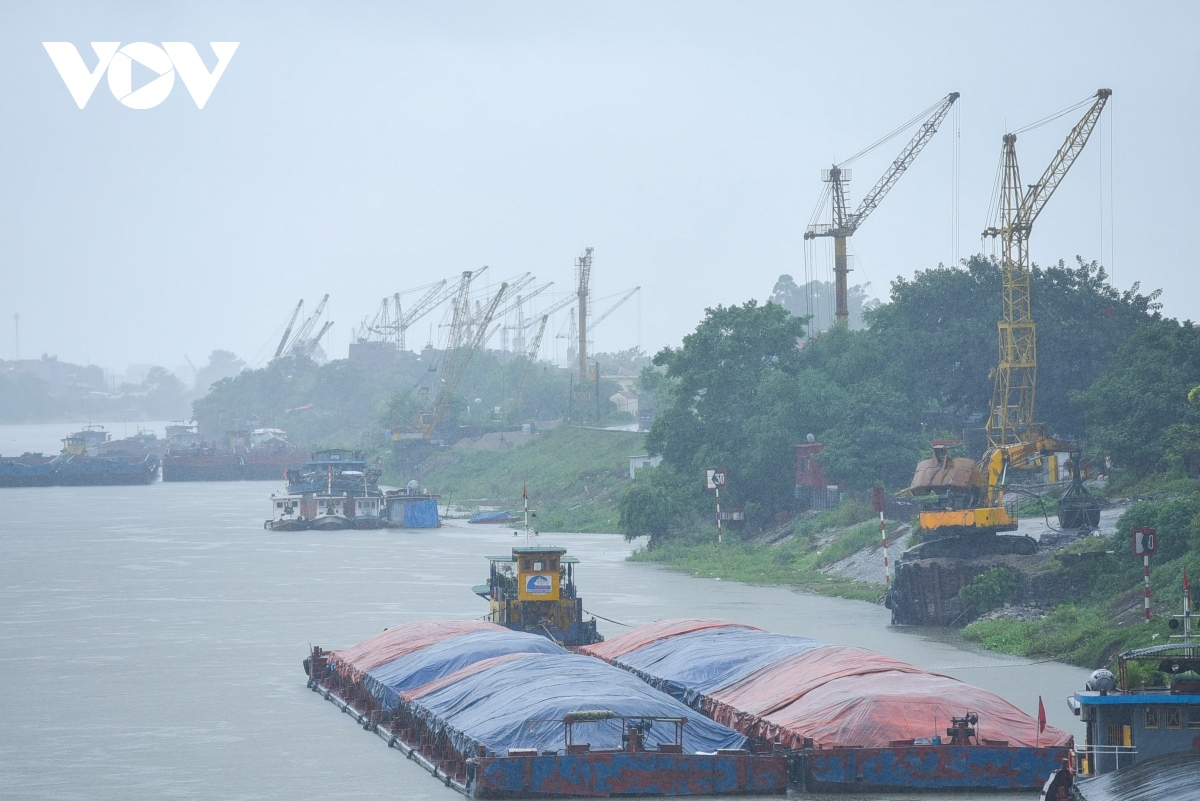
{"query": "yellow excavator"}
{"type": "Point", "coordinates": [970, 515]}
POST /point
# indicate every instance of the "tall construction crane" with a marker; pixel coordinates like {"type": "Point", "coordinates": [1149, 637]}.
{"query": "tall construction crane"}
{"type": "Point", "coordinates": [1015, 387]}
{"type": "Point", "coordinates": [970, 510]}
{"type": "Point", "coordinates": [845, 222]}
{"type": "Point", "coordinates": [302, 344]}
{"type": "Point", "coordinates": [530, 361]}
{"type": "Point", "coordinates": [583, 277]}
{"type": "Point", "coordinates": [287, 332]}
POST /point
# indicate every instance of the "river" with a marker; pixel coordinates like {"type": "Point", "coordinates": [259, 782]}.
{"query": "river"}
{"type": "Point", "coordinates": [151, 639]}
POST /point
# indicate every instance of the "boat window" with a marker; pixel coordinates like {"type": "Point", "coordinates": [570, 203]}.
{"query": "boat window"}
{"type": "Point", "coordinates": [1174, 717]}
{"type": "Point", "coordinates": [1151, 718]}
{"type": "Point", "coordinates": [1194, 717]}
{"type": "Point", "coordinates": [320, 503]}
{"type": "Point", "coordinates": [537, 566]}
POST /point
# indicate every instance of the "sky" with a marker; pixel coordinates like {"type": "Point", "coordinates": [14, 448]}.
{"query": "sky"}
{"type": "Point", "coordinates": [361, 149]}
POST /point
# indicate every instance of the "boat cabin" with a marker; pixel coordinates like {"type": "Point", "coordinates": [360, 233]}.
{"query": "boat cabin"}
{"type": "Point", "coordinates": [1128, 723]}
{"type": "Point", "coordinates": [533, 590]}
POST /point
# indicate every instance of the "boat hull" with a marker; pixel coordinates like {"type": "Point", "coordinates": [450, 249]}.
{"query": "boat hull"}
{"type": "Point", "coordinates": [929, 767]}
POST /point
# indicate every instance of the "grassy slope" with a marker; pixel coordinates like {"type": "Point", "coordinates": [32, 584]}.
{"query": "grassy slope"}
{"type": "Point", "coordinates": [575, 476]}
{"type": "Point", "coordinates": [796, 562]}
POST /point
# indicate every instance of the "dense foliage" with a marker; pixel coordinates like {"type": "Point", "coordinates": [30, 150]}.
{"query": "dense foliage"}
{"type": "Point", "coordinates": [745, 387]}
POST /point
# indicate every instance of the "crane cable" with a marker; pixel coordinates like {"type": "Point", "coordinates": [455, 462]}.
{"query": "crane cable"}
{"type": "Point", "coordinates": [920, 116]}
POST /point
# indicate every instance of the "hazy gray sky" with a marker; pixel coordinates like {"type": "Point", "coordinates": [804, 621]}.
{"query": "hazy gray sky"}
{"type": "Point", "coordinates": [363, 148]}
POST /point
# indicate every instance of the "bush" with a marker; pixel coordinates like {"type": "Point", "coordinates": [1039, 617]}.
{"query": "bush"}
{"type": "Point", "coordinates": [989, 590]}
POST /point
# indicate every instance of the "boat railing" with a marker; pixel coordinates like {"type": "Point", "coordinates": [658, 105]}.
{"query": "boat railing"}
{"type": "Point", "coordinates": [1086, 755]}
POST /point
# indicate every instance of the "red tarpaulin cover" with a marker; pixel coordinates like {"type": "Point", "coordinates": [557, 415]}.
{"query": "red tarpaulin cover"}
{"type": "Point", "coordinates": [784, 681]}
{"type": "Point", "coordinates": [653, 632]}
{"type": "Point", "coordinates": [873, 711]}
{"type": "Point", "coordinates": [400, 640]}
{"type": "Point", "coordinates": [837, 695]}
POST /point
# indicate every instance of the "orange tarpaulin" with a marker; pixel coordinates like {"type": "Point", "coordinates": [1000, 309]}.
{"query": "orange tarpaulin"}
{"type": "Point", "coordinates": [875, 710]}
{"type": "Point", "coordinates": [400, 640]}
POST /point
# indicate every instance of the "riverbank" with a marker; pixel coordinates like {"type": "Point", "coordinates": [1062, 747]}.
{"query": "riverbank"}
{"type": "Point", "coordinates": [813, 554]}
{"type": "Point", "coordinates": [575, 476]}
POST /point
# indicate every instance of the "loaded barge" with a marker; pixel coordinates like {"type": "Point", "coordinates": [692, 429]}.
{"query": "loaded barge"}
{"type": "Point", "coordinates": [76, 466]}
{"type": "Point", "coordinates": [533, 702]}
{"type": "Point", "coordinates": [496, 713]}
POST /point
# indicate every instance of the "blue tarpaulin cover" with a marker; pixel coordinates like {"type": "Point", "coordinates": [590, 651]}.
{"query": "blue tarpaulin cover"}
{"type": "Point", "coordinates": [521, 704]}
{"type": "Point", "coordinates": [387, 681]}
{"type": "Point", "coordinates": [421, 514]}
{"type": "Point", "coordinates": [491, 517]}
{"type": "Point", "coordinates": [689, 666]}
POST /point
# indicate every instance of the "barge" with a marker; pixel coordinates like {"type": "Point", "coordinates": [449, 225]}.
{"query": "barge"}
{"type": "Point", "coordinates": [75, 467]}
{"type": "Point", "coordinates": [495, 713]}
{"type": "Point", "coordinates": [850, 719]}
{"type": "Point", "coordinates": [336, 490]}
{"type": "Point", "coordinates": [261, 454]}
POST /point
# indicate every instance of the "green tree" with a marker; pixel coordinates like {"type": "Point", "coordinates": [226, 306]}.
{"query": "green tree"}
{"type": "Point", "coordinates": [1133, 406]}
{"type": "Point", "coordinates": [721, 408]}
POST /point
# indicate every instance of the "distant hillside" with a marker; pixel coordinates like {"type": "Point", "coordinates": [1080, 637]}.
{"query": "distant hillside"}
{"type": "Point", "coordinates": [575, 475]}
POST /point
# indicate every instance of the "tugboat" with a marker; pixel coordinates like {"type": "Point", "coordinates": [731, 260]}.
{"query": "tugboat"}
{"type": "Point", "coordinates": [533, 590]}
{"type": "Point", "coordinates": [1140, 737]}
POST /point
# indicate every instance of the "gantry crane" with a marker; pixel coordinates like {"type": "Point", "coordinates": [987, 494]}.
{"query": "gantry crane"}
{"type": "Point", "coordinates": [970, 507]}
{"type": "Point", "coordinates": [845, 222]}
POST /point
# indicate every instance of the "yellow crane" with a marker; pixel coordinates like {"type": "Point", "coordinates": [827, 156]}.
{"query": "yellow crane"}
{"type": "Point", "coordinates": [845, 222]}
{"type": "Point", "coordinates": [970, 494]}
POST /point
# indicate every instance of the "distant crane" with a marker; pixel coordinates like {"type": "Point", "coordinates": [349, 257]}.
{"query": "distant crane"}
{"type": "Point", "coordinates": [530, 361]}
{"type": "Point", "coordinates": [615, 306]}
{"type": "Point", "coordinates": [287, 332]}
{"type": "Point", "coordinates": [583, 277]}
{"type": "Point", "coordinates": [456, 361]}
{"type": "Point", "coordinates": [845, 222]}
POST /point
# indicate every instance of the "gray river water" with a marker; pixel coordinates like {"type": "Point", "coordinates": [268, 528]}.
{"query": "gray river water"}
{"type": "Point", "coordinates": [151, 640]}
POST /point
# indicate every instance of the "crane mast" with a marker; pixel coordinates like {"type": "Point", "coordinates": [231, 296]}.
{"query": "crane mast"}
{"type": "Point", "coordinates": [583, 271]}
{"type": "Point", "coordinates": [1015, 380]}
{"type": "Point", "coordinates": [845, 223]}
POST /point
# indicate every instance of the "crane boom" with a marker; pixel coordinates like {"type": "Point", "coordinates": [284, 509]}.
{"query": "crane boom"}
{"type": "Point", "coordinates": [450, 379]}
{"type": "Point", "coordinates": [309, 345]}
{"type": "Point", "coordinates": [902, 162]}
{"type": "Point", "coordinates": [845, 223]}
{"type": "Point", "coordinates": [1014, 391]}
{"type": "Point", "coordinates": [287, 332]}
{"type": "Point", "coordinates": [615, 306]}
{"type": "Point", "coordinates": [530, 361]}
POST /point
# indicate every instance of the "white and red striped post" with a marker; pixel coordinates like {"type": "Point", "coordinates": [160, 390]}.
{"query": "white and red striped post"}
{"type": "Point", "coordinates": [1146, 575]}
{"type": "Point", "coordinates": [887, 574]}
{"type": "Point", "coordinates": [719, 538]}
{"type": "Point", "coordinates": [880, 503]}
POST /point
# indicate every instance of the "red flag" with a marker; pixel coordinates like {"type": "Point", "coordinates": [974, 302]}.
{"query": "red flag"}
{"type": "Point", "coordinates": [1185, 583]}
{"type": "Point", "coordinates": [524, 493]}
{"type": "Point", "coordinates": [1041, 716]}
